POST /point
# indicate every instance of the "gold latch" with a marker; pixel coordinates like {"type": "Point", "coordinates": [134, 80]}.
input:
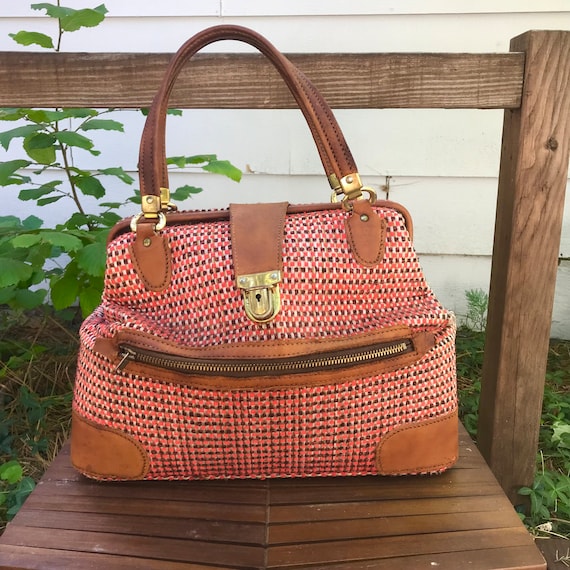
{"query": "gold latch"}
{"type": "Point", "coordinates": [260, 292]}
{"type": "Point", "coordinates": [350, 188]}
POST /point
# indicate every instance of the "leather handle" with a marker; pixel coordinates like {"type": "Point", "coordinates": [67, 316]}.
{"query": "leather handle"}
{"type": "Point", "coordinates": [331, 145]}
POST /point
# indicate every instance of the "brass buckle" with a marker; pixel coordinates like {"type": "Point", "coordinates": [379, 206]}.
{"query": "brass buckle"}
{"type": "Point", "coordinates": [260, 292]}
{"type": "Point", "coordinates": [161, 224]}
{"type": "Point", "coordinates": [350, 188]}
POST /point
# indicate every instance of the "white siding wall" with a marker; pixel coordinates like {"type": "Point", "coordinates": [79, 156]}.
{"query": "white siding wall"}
{"type": "Point", "coordinates": [442, 165]}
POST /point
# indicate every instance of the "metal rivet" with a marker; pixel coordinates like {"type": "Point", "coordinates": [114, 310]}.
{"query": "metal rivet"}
{"type": "Point", "coordinates": [149, 199]}
{"type": "Point", "coordinates": [243, 281]}
{"type": "Point", "coordinates": [349, 179]}
{"type": "Point", "coordinates": [364, 217]}
{"type": "Point", "coordinates": [274, 276]}
{"type": "Point", "coordinates": [147, 242]}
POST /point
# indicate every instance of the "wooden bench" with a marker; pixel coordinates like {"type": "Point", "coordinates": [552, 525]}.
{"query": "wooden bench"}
{"type": "Point", "coordinates": [461, 518]}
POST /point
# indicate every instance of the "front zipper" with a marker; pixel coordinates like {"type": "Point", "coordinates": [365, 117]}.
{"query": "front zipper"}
{"type": "Point", "coordinates": [263, 367]}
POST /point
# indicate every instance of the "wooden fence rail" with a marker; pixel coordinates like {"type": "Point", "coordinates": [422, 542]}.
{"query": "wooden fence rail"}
{"type": "Point", "coordinates": [531, 83]}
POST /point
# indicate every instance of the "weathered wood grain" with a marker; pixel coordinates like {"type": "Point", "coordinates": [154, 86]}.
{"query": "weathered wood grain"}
{"type": "Point", "coordinates": [122, 80]}
{"type": "Point", "coordinates": [342, 523]}
{"type": "Point", "coordinates": [532, 184]}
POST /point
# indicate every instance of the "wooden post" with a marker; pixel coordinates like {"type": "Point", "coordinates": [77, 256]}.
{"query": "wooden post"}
{"type": "Point", "coordinates": [532, 183]}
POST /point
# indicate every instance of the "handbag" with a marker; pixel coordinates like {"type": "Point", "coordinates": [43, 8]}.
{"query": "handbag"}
{"type": "Point", "coordinates": [264, 340]}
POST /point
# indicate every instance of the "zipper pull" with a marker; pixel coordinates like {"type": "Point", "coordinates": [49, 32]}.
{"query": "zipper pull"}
{"type": "Point", "coordinates": [126, 355]}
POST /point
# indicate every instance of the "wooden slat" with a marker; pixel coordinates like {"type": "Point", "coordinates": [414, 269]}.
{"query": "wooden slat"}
{"type": "Point", "coordinates": [398, 523]}
{"type": "Point", "coordinates": [532, 184]}
{"type": "Point", "coordinates": [485, 81]}
{"type": "Point", "coordinates": [515, 558]}
{"type": "Point", "coordinates": [393, 547]}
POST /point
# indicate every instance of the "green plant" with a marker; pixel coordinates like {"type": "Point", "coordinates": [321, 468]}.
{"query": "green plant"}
{"type": "Point", "coordinates": [14, 488]}
{"type": "Point", "coordinates": [549, 502]}
{"type": "Point", "coordinates": [62, 265]}
{"type": "Point", "coordinates": [65, 264]}
{"type": "Point", "coordinates": [477, 304]}
{"type": "Point", "coordinates": [470, 343]}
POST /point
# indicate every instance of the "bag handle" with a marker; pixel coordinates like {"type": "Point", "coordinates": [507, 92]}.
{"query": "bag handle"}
{"type": "Point", "coordinates": [335, 155]}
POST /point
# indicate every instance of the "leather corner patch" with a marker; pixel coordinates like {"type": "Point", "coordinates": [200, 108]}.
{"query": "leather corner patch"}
{"type": "Point", "coordinates": [366, 233]}
{"type": "Point", "coordinates": [421, 447]}
{"type": "Point", "coordinates": [101, 452]}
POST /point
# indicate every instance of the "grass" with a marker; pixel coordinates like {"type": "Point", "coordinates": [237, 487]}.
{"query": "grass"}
{"type": "Point", "coordinates": [37, 367]}
{"type": "Point", "coordinates": [549, 495]}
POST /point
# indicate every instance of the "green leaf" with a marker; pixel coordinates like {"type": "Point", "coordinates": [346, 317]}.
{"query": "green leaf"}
{"type": "Point", "coordinates": [27, 299]}
{"type": "Point", "coordinates": [175, 112]}
{"type": "Point", "coordinates": [119, 173]}
{"type": "Point", "coordinates": [109, 219]}
{"type": "Point", "coordinates": [102, 124]}
{"type": "Point", "coordinates": [10, 222]}
{"type": "Point", "coordinates": [36, 193]}
{"type": "Point", "coordinates": [40, 147]}
{"type": "Point", "coordinates": [64, 240]}
{"type": "Point", "coordinates": [65, 290]}
{"type": "Point", "coordinates": [86, 18]}
{"type": "Point", "coordinates": [11, 472]}
{"type": "Point", "coordinates": [182, 161]}
{"type": "Point", "coordinates": [14, 271]}
{"type": "Point", "coordinates": [182, 193]}
{"type": "Point", "coordinates": [26, 240]}
{"type": "Point", "coordinates": [32, 38]}
{"type": "Point", "coordinates": [23, 131]}
{"type": "Point", "coordinates": [49, 116]}
{"type": "Point", "coordinates": [50, 200]}
{"type": "Point", "coordinates": [179, 161]}
{"type": "Point", "coordinates": [77, 219]}
{"type": "Point", "coordinates": [8, 172]}
{"type": "Point", "coordinates": [560, 430]}
{"type": "Point", "coordinates": [89, 299]}
{"type": "Point", "coordinates": [90, 186]}
{"type": "Point", "coordinates": [12, 113]}
{"type": "Point", "coordinates": [74, 139]}
{"type": "Point", "coordinates": [52, 10]}
{"type": "Point", "coordinates": [32, 223]}
{"type": "Point", "coordinates": [92, 259]}
{"type": "Point", "coordinates": [225, 168]}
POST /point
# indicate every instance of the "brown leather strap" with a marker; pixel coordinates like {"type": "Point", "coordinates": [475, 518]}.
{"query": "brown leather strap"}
{"type": "Point", "coordinates": [333, 150]}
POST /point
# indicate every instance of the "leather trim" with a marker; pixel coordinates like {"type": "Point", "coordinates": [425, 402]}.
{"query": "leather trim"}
{"type": "Point", "coordinates": [422, 342]}
{"type": "Point", "coordinates": [331, 145]}
{"type": "Point", "coordinates": [101, 452]}
{"type": "Point", "coordinates": [253, 350]}
{"type": "Point", "coordinates": [152, 262]}
{"type": "Point", "coordinates": [366, 233]}
{"type": "Point", "coordinates": [421, 447]}
{"type": "Point", "coordinates": [197, 216]}
{"type": "Point", "coordinates": [257, 237]}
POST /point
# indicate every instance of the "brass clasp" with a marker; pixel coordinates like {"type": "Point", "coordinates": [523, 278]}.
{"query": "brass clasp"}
{"type": "Point", "coordinates": [350, 188]}
{"type": "Point", "coordinates": [260, 292]}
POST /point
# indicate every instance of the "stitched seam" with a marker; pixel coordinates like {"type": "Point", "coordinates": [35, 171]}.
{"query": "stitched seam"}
{"type": "Point", "coordinates": [354, 248]}
{"type": "Point", "coordinates": [146, 343]}
{"type": "Point", "coordinates": [143, 277]}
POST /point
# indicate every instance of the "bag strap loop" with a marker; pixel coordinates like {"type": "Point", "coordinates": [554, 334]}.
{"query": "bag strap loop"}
{"type": "Point", "coordinates": [335, 155]}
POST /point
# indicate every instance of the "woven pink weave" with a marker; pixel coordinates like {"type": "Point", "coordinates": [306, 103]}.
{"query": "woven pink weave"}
{"type": "Point", "coordinates": [312, 431]}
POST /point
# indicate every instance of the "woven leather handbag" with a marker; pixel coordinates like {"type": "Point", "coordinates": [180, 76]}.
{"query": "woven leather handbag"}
{"type": "Point", "coordinates": [266, 340]}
